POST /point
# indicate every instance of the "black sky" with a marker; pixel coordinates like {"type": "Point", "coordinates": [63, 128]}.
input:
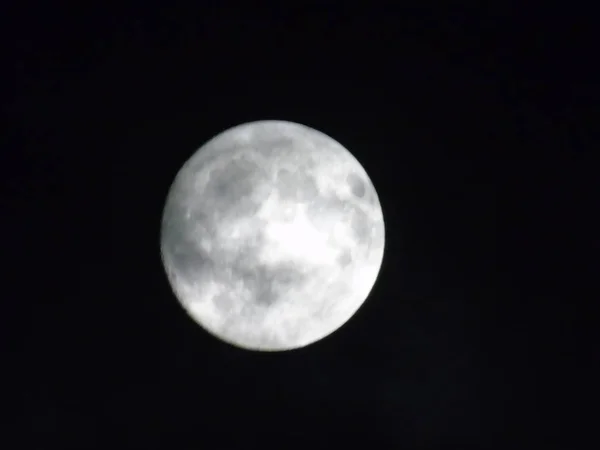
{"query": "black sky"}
{"type": "Point", "coordinates": [475, 127]}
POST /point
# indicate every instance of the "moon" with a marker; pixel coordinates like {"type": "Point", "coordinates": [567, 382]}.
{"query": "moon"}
{"type": "Point", "coordinates": [272, 236]}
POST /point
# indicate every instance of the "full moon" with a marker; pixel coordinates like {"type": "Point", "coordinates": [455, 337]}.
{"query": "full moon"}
{"type": "Point", "coordinates": [272, 236]}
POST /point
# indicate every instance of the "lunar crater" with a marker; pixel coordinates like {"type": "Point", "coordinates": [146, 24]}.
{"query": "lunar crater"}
{"type": "Point", "coordinates": [296, 186]}
{"type": "Point", "coordinates": [356, 184]}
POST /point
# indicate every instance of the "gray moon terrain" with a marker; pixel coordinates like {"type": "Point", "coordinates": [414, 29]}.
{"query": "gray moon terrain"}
{"type": "Point", "coordinates": [272, 236]}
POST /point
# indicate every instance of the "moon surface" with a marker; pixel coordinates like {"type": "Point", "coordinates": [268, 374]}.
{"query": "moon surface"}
{"type": "Point", "coordinates": [272, 236]}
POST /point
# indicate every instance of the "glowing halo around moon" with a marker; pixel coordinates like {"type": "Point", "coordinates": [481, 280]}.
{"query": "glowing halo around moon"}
{"type": "Point", "coordinates": [272, 236]}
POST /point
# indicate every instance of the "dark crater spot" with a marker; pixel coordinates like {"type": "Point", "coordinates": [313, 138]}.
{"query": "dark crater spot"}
{"type": "Point", "coordinates": [187, 262]}
{"type": "Point", "coordinates": [230, 188]}
{"type": "Point", "coordinates": [234, 179]}
{"type": "Point", "coordinates": [268, 284]}
{"type": "Point", "coordinates": [296, 185]}
{"type": "Point", "coordinates": [357, 185]}
{"type": "Point", "coordinates": [345, 258]}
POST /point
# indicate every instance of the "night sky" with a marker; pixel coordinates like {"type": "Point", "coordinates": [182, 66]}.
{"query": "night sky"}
{"type": "Point", "coordinates": [474, 126]}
